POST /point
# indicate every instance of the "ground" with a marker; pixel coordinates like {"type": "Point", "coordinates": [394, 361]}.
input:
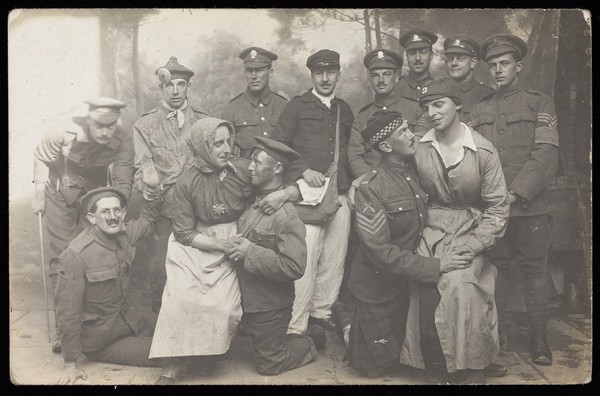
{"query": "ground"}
{"type": "Point", "coordinates": [32, 362]}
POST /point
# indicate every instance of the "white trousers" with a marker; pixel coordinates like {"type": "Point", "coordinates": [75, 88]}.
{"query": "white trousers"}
{"type": "Point", "coordinates": [318, 289]}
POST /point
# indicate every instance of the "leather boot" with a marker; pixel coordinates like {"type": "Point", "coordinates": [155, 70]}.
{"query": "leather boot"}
{"type": "Point", "coordinates": [540, 351]}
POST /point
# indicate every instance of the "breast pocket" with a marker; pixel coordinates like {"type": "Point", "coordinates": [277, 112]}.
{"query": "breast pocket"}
{"type": "Point", "coordinates": [103, 285]}
{"type": "Point", "coordinates": [400, 212]}
{"type": "Point", "coordinates": [263, 239]}
{"type": "Point", "coordinates": [521, 126]}
{"type": "Point", "coordinates": [162, 150]}
{"type": "Point", "coordinates": [246, 128]}
{"type": "Point", "coordinates": [483, 120]}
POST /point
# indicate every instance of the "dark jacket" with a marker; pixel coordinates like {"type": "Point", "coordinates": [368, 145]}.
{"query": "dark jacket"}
{"type": "Point", "coordinates": [521, 124]}
{"type": "Point", "coordinates": [361, 156]}
{"type": "Point", "coordinates": [275, 259]}
{"type": "Point", "coordinates": [391, 212]}
{"type": "Point", "coordinates": [92, 284]}
{"type": "Point", "coordinates": [308, 126]}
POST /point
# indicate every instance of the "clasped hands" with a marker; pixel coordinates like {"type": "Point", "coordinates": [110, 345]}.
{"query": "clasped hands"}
{"type": "Point", "coordinates": [235, 248]}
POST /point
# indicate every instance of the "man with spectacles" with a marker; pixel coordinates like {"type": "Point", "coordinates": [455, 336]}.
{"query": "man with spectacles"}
{"type": "Point", "coordinates": [89, 152]}
{"type": "Point", "coordinates": [162, 134]}
{"type": "Point", "coordinates": [462, 54]}
{"type": "Point", "coordinates": [92, 309]}
{"type": "Point", "coordinates": [255, 111]}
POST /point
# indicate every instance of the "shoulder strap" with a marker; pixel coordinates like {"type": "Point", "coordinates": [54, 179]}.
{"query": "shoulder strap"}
{"type": "Point", "coordinates": [336, 157]}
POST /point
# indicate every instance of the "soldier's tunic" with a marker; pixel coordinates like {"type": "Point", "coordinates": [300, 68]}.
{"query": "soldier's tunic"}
{"type": "Point", "coordinates": [253, 116]}
{"type": "Point", "coordinates": [390, 215]}
{"type": "Point", "coordinates": [91, 297]}
{"type": "Point", "coordinates": [521, 123]}
{"type": "Point", "coordinates": [274, 260]}
{"type": "Point", "coordinates": [467, 205]}
{"type": "Point", "coordinates": [473, 92]}
{"type": "Point", "coordinates": [70, 165]}
{"type": "Point", "coordinates": [410, 88]}
{"type": "Point", "coordinates": [157, 134]}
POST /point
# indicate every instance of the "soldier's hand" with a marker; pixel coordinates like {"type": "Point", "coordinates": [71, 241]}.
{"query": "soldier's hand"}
{"type": "Point", "coordinates": [225, 245]}
{"type": "Point", "coordinates": [272, 202]}
{"type": "Point", "coordinates": [459, 257]}
{"type": "Point", "coordinates": [150, 175]}
{"type": "Point", "coordinates": [313, 178]}
{"type": "Point", "coordinates": [352, 191]}
{"type": "Point", "coordinates": [39, 199]}
{"type": "Point", "coordinates": [238, 252]}
{"type": "Point", "coordinates": [71, 373]}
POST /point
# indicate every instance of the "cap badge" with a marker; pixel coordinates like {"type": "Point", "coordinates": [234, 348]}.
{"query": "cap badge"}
{"type": "Point", "coordinates": [417, 38]}
{"type": "Point", "coordinates": [380, 54]}
{"type": "Point", "coordinates": [253, 54]}
{"type": "Point", "coordinates": [457, 42]}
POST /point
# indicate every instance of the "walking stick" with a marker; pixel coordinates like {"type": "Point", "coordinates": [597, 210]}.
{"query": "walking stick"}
{"type": "Point", "coordinates": [44, 274]}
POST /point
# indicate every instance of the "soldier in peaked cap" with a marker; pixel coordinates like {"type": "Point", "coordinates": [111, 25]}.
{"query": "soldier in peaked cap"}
{"type": "Point", "coordinates": [267, 267]}
{"type": "Point", "coordinates": [384, 75]}
{"type": "Point", "coordinates": [94, 273]}
{"type": "Point", "coordinates": [418, 46]}
{"type": "Point", "coordinates": [161, 134]}
{"type": "Point", "coordinates": [462, 54]}
{"type": "Point", "coordinates": [521, 122]}
{"type": "Point", "coordinates": [84, 153]}
{"type": "Point", "coordinates": [255, 111]}
{"type": "Point", "coordinates": [308, 125]}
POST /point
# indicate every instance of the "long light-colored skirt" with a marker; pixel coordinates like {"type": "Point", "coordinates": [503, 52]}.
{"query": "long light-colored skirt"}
{"type": "Point", "coordinates": [201, 305]}
{"type": "Point", "coordinates": [466, 318]}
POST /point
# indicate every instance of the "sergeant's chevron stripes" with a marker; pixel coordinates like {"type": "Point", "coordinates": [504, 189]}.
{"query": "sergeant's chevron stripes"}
{"type": "Point", "coordinates": [370, 225]}
{"type": "Point", "coordinates": [546, 118]}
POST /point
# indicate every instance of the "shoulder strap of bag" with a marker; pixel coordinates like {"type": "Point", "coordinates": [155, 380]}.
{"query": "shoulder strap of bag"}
{"type": "Point", "coordinates": [336, 157]}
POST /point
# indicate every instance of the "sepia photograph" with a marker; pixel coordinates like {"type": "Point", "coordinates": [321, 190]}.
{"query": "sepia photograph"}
{"type": "Point", "coordinates": [300, 196]}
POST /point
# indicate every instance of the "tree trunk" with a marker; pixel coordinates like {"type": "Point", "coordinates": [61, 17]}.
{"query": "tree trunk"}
{"type": "Point", "coordinates": [368, 42]}
{"type": "Point", "coordinates": [135, 65]}
{"type": "Point", "coordinates": [377, 28]}
{"type": "Point", "coordinates": [116, 79]}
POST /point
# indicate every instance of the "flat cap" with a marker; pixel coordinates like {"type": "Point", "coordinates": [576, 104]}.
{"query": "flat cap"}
{"type": "Point", "coordinates": [173, 70]}
{"type": "Point", "coordinates": [93, 196]}
{"type": "Point", "coordinates": [277, 150]}
{"type": "Point", "coordinates": [104, 110]}
{"type": "Point", "coordinates": [256, 57]}
{"type": "Point", "coordinates": [381, 125]}
{"type": "Point", "coordinates": [383, 58]}
{"type": "Point", "coordinates": [323, 59]}
{"type": "Point", "coordinates": [417, 39]}
{"type": "Point", "coordinates": [441, 88]}
{"type": "Point", "coordinates": [499, 44]}
{"type": "Point", "coordinates": [461, 44]}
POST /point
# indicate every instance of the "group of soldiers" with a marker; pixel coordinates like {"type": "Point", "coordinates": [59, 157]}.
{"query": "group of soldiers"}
{"type": "Point", "coordinates": [85, 172]}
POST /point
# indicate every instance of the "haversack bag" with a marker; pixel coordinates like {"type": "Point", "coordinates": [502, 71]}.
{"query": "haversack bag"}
{"type": "Point", "coordinates": [330, 203]}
